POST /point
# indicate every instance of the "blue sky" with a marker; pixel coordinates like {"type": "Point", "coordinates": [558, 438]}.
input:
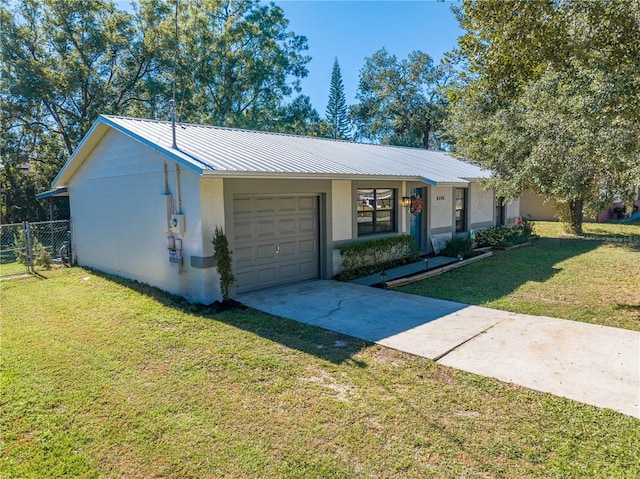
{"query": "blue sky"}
{"type": "Point", "coordinates": [354, 30]}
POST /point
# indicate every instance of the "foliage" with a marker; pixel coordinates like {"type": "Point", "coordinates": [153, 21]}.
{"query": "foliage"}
{"type": "Point", "coordinates": [458, 245]}
{"type": "Point", "coordinates": [551, 98]}
{"type": "Point", "coordinates": [502, 236]}
{"type": "Point", "coordinates": [41, 257]}
{"type": "Point", "coordinates": [368, 257]}
{"type": "Point", "coordinates": [222, 255]}
{"type": "Point", "coordinates": [63, 63]}
{"type": "Point", "coordinates": [337, 113]}
{"type": "Point", "coordinates": [238, 61]}
{"type": "Point", "coordinates": [401, 102]}
{"type": "Point", "coordinates": [298, 117]}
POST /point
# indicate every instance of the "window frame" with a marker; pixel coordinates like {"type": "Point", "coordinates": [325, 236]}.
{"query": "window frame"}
{"type": "Point", "coordinates": [376, 222]}
{"type": "Point", "coordinates": [460, 221]}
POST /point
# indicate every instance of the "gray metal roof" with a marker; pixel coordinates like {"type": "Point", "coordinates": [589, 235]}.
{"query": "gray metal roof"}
{"type": "Point", "coordinates": [226, 151]}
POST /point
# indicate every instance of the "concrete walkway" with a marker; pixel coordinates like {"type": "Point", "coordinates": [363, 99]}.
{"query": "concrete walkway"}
{"type": "Point", "coordinates": [592, 364]}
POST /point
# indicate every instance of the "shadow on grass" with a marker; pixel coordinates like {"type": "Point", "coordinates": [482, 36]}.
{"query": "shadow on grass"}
{"type": "Point", "coordinates": [327, 345]}
{"type": "Point", "coordinates": [503, 273]}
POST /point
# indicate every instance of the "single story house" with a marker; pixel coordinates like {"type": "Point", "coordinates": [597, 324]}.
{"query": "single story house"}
{"type": "Point", "coordinates": [145, 198]}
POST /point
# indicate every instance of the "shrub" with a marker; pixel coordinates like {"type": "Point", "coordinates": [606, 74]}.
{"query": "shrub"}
{"type": "Point", "coordinates": [222, 255]}
{"type": "Point", "coordinates": [361, 259]}
{"type": "Point", "coordinates": [458, 245]}
{"type": "Point", "coordinates": [41, 256]}
{"type": "Point", "coordinates": [503, 236]}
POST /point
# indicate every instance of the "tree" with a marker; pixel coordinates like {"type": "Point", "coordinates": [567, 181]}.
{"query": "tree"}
{"type": "Point", "coordinates": [551, 99]}
{"type": "Point", "coordinates": [62, 64]}
{"type": "Point", "coordinates": [401, 102]}
{"type": "Point", "coordinates": [237, 62]}
{"type": "Point", "coordinates": [337, 114]}
{"type": "Point", "coordinates": [300, 118]}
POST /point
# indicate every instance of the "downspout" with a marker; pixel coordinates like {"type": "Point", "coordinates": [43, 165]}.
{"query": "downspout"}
{"type": "Point", "coordinates": [178, 194]}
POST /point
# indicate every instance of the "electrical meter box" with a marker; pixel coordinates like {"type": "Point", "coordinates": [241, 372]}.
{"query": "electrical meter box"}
{"type": "Point", "coordinates": [177, 224]}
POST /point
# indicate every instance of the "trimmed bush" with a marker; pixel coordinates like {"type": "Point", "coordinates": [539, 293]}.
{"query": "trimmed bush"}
{"type": "Point", "coordinates": [362, 259]}
{"type": "Point", "coordinates": [222, 255]}
{"type": "Point", "coordinates": [504, 236]}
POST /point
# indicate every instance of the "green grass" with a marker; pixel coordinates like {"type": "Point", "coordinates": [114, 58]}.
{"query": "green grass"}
{"type": "Point", "coordinates": [12, 269]}
{"type": "Point", "coordinates": [594, 279]}
{"type": "Point", "coordinates": [102, 377]}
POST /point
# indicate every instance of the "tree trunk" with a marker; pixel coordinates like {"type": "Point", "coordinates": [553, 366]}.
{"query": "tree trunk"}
{"type": "Point", "coordinates": [575, 209]}
{"type": "Point", "coordinates": [426, 130]}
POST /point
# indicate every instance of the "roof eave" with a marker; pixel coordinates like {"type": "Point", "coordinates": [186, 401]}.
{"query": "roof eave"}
{"type": "Point", "coordinates": [54, 193]}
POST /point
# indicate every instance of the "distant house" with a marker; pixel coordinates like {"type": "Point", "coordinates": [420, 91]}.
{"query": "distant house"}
{"type": "Point", "coordinates": [535, 207]}
{"type": "Point", "coordinates": [144, 209]}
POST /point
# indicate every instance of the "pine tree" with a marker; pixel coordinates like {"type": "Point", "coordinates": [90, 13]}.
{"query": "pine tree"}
{"type": "Point", "coordinates": [337, 115]}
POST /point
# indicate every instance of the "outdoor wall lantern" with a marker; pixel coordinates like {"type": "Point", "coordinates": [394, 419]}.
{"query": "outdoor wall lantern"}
{"type": "Point", "coordinates": [405, 201]}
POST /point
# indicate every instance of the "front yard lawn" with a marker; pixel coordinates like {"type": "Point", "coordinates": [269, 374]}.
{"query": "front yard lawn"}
{"type": "Point", "coordinates": [102, 377]}
{"type": "Point", "coordinates": [595, 279]}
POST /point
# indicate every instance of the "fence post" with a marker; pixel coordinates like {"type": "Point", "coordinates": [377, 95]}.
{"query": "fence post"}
{"type": "Point", "coordinates": [26, 228]}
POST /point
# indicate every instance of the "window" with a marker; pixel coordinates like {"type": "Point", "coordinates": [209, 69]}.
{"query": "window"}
{"type": "Point", "coordinates": [460, 195]}
{"type": "Point", "coordinates": [376, 209]}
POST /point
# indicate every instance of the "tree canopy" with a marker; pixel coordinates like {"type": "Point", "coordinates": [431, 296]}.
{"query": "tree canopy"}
{"type": "Point", "coordinates": [231, 63]}
{"type": "Point", "coordinates": [401, 102]}
{"type": "Point", "coordinates": [550, 100]}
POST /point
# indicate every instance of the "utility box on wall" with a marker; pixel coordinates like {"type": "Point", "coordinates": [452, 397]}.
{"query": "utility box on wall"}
{"type": "Point", "coordinates": [177, 224]}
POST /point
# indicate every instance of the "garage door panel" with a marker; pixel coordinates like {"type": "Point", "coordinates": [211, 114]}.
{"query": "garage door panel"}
{"type": "Point", "coordinates": [308, 246]}
{"type": "Point", "coordinates": [287, 226]}
{"type": "Point", "coordinates": [287, 204]}
{"type": "Point", "coordinates": [241, 206]}
{"type": "Point", "coordinates": [265, 229]}
{"type": "Point", "coordinates": [243, 254]}
{"type": "Point", "coordinates": [309, 269]}
{"type": "Point", "coordinates": [243, 230]}
{"type": "Point", "coordinates": [306, 225]}
{"type": "Point", "coordinates": [307, 204]}
{"type": "Point", "coordinates": [287, 249]}
{"type": "Point", "coordinates": [266, 205]}
{"type": "Point", "coordinates": [265, 252]}
{"type": "Point", "coordinates": [276, 241]}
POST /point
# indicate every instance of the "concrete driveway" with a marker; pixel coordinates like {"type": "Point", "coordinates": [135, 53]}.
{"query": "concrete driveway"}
{"type": "Point", "coordinates": [592, 364]}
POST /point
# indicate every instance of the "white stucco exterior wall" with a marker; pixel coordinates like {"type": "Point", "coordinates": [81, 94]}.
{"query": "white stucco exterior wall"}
{"type": "Point", "coordinates": [441, 211]}
{"type": "Point", "coordinates": [118, 209]}
{"type": "Point", "coordinates": [481, 204]}
{"type": "Point", "coordinates": [341, 210]}
{"type": "Point", "coordinates": [213, 214]}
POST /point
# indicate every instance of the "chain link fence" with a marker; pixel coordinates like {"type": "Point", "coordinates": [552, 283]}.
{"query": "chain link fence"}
{"type": "Point", "coordinates": [26, 246]}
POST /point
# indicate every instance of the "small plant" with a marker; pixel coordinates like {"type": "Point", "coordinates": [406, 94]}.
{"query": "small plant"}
{"type": "Point", "coordinates": [222, 255]}
{"type": "Point", "coordinates": [458, 245]}
{"type": "Point", "coordinates": [41, 257]}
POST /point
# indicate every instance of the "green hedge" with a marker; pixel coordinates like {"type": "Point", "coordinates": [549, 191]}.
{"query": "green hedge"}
{"type": "Point", "coordinates": [362, 259]}
{"type": "Point", "coordinates": [502, 236]}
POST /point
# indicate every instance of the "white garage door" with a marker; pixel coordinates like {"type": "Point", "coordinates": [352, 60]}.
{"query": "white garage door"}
{"type": "Point", "coordinates": [276, 240]}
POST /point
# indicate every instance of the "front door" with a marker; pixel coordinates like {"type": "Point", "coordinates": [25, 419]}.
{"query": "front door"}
{"type": "Point", "coordinates": [416, 210]}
